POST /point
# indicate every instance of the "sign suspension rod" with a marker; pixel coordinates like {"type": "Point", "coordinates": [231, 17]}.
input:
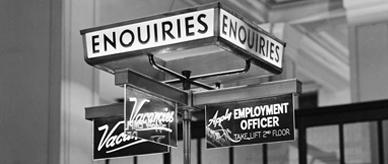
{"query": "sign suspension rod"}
{"type": "Point", "coordinates": [177, 75]}
{"type": "Point", "coordinates": [223, 73]}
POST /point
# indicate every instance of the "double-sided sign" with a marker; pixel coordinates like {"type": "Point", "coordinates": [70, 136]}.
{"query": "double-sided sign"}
{"type": "Point", "coordinates": [248, 122]}
{"type": "Point", "coordinates": [153, 120]}
{"type": "Point", "coordinates": [110, 140]}
{"type": "Point", "coordinates": [143, 124]}
{"type": "Point", "coordinates": [191, 28]}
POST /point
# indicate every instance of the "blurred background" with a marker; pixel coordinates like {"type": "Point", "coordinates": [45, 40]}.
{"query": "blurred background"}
{"type": "Point", "coordinates": [336, 48]}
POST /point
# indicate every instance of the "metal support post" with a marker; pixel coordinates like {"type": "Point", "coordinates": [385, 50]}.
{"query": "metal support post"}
{"type": "Point", "coordinates": [186, 137]}
{"type": "Point", "coordinates": [187, 121]}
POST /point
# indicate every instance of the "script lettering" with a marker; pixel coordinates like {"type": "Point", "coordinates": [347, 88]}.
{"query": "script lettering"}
{"type": "Point", "coordinates": [221, 135]}
{"type": "Point", "coordinates": [158, 121]}
{"type": "Point", "coordinates": [109, 141]}
{"type": "Point", "coordinates": [216, 121]}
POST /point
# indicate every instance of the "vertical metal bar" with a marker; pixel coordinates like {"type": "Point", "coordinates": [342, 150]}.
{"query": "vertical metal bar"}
{"type": "Point", "coordinates": [199, 151]}
{"type": "Point", "coordinates": [265, 154]}
{"type": "Point", "coordinates": [231, 155]}
{"type": "Point", "coordinates": [186, 83]}
{"type": "Point", "coordinates": [302, 145]}
{"type": "Point", "coordinates": [380, 139]}
{"type": "Point", "coordinates": [341, 143]}
{"type": "Point", "coordinates": [135, 160]}
{"type": "Point", "coordinates": [125, 109]}
{"type": "Point", "coordinates": [186, 137]}
{"type": "Point", "coordinates": [107, 161]}
{"type": "Point", "coordinates": [167, 158]}
{"type": "Point", "coordinates": [186, 122]}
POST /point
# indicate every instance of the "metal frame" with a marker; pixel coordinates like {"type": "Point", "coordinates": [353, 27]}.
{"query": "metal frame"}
{"type": "Point", "coordinates": [151, 86]}
{"type": "Point", "coordinates": [247, 92]}
{"type": "Point", "coordinates": [190, 99]}
{"type": "Point", "coordinates": [181, 78]}
{"type": "Point", "coordinates": [216, 74]}
{"type": "Point", "coordinates": [113, 63]}
{"type": "Point", "coordinates": [197, 98]}
{"type": "Point", "coordinates": [111, 110]}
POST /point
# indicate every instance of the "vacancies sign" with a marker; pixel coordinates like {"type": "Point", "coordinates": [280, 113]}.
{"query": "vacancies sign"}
{"type": "Point", "coordinates": [191, 28]}
{"type": "Point", "coordinates": [110, 140]}
{"type": "Point", "coordinates": [249, 122]}
{"type": "Point", "coordinates": [152, 119]}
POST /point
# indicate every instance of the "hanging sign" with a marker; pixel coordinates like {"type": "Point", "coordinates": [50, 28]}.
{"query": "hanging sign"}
{"type": "Point", "coordinates": [150, 34]}
{"type": "Point", "coordinates": [248, 122]}
{"type": "Point", "coordinates": [150, 118]}
{"type": "Point", "coordinates": [110, 141]}
{"type": "Point", "coordinates": [251, 39]}
{"type": "Point", "coordinates": [197, 27]}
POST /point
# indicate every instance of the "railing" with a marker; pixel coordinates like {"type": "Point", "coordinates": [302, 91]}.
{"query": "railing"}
{"type": "Point", "coordinates": [375, 111]}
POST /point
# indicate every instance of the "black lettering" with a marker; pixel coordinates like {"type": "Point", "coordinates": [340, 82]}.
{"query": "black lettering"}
{"type": "Point", "coordinates": [257, 42]}
{"type": "Point", "coordinates": [200, 21]}
{"type": "Point", "coordinates": [166, 30]}
{"type": "Point", "coordinates": [156, 32]}
{"type": "Point", "coordinates": [251, 39]}
{"type": "Point", "coordinates": [139, 35]}
{"type": "Point", "coordinates": [178, 22]}
{"type": "Point", "coordinates": [277, 53]}
{"type": "Point", "coordinates": [189, 26]}
{"type": "Point", "coordinates": [122, 36]}
{"type": "Point", "coordinates": [242, 28]}
{"type": "Point", "coordinates": [95, 44]}
{"type": "Point", "coordinates": [232, 28]}
{"type": "Point", "coordinates": [266, 48]}
{"type": "Point", "coordinates": [112, 41]}
{"type": "Point", "coordinates": [224, 25]}
{"type": "Point", "coordinates": [271, 51]}
{"type": "Point", "coordinates": [262, 44]}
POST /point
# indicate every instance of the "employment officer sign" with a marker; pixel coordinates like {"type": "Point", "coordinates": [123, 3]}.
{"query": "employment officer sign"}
{"type": "Point", "coordinates": [248, 122]}
{"type": "Point", "coordinates": [198, 27]}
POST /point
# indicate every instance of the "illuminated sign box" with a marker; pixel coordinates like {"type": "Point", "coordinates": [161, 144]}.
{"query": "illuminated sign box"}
{"type": "Point", "coordinates": [114, 47]}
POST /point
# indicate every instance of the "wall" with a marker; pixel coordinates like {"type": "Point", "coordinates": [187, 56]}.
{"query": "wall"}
{"type": "Point", "coordinates": [29, 83]}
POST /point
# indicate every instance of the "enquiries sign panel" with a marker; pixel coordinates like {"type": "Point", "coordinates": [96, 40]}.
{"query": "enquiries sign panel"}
{"type": "Point", "coordinates": [256, 121]}
{"type": "Point", "coordinates": [197, 27]}
{"type": "Point", "coordinates": [149, 34]}
{"type": "Point", "coordinates": [251, 39]}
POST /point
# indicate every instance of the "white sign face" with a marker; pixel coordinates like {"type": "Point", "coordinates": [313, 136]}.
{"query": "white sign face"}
{"type": "Point", "coordinates": [258, 43]}
{"type": "Point", "coordinates": [149, 34]}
